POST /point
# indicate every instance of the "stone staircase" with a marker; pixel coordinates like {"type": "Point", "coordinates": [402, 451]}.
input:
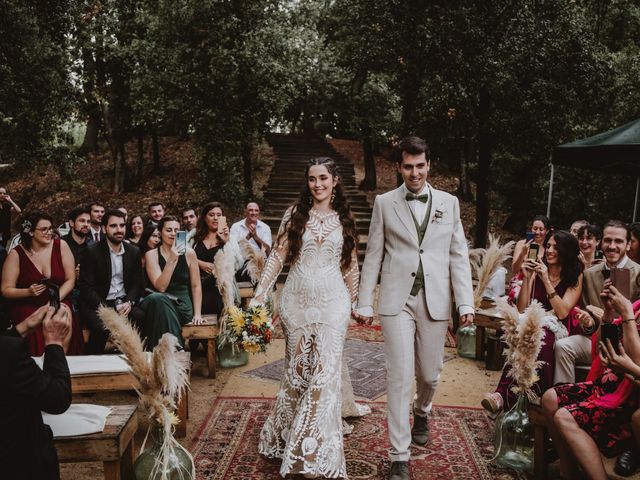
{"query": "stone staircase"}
{"type": "Point", "coordinates": [287, 178]}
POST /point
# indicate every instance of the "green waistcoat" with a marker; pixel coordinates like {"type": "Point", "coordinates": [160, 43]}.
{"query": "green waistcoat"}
{"type": "Point", "coordinates": [418, 283]}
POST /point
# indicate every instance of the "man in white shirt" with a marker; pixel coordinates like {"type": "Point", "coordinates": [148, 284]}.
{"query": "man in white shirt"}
{"type": "Point", "coordinates": [252, 229]}
{"type": "Point", "coordinates": [189, 222]}
{"type": "Point", "coordinates": [111, 275]}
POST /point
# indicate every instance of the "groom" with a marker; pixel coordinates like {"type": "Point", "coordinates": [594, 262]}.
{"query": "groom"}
{"type": "Point", "coordinates": [417, 245]}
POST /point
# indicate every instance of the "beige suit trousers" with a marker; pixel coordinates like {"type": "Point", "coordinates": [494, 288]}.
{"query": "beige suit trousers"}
{"type": "Point", "coordinates": [414, 349]}
{"type": "Point", "coordinates": [568, 351]}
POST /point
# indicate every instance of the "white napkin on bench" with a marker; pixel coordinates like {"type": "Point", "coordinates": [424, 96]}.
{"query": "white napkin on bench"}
{"type": "Point", "coordinates": [79, 419]}
{"type": "Point", "coordinates": [92, 364]}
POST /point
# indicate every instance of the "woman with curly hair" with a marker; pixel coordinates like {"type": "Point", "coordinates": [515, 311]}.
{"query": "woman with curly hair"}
{"type": "Point", "coordinates": [556, 283]}
{"type": "Point", "coordinates": [318, 238]}
{"type": "Point", "coordinates": [40, 264]}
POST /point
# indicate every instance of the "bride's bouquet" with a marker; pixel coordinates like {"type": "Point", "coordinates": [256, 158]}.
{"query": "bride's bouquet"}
{"type": "Point", "coordinates": [250, 330]}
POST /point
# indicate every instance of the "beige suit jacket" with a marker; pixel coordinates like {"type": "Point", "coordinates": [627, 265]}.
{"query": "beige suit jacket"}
{"type": "Point", "coordinates": [594, 280]}
{"type": "Point", "coordinates": [394, 253]}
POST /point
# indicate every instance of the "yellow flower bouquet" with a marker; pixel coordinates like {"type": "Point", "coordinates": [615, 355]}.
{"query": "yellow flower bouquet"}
{"type": "Point", "coordinates": [250, 330]}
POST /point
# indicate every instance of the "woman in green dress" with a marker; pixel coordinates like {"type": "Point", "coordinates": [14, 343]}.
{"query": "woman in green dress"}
{"type": "Point", "coordinates": [175, 277]}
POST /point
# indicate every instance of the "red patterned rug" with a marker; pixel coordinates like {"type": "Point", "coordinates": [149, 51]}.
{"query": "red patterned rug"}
{"type": "Point", "coordinates": [225, 447]}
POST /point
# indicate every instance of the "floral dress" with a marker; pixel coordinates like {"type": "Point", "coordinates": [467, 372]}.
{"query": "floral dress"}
{"type": "Point", "coordinates": [305, 428]}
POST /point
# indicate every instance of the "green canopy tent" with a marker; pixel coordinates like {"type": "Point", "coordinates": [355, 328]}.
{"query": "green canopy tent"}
{"type": "Point", "coordinates": [616, 150]}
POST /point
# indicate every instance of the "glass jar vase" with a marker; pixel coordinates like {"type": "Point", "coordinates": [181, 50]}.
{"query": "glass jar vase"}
{"type": "Point", "coordinates": [514, 437]}
{"type": "Point", "coordinates": [466, 341]}
{"type": "Point", "coordinates": [230, 356]}
{"type": "Point", "coordinates": [164, 462]}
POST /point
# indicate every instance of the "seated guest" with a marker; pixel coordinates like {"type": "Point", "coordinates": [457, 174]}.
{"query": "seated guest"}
{"type": "Point", "coordinates": [7, 208]}
{"type": "Point", "coordinates": [207, 242]}
{"type": "Point", "coordinates": [175, 277]}
{"type": "Point", "coordinates": [126, 214]}
{"type": "Point", "coordinates": [189, 222]}
{"type": "Point", "coordinates": [79, 219]}
{"type": "Point", "coordinates": [634, 242]}
{"type": "Point", "coordinates": [575, 226]}
{"type": "Point", "coordinates": [96, 210]}
{"type": "Point", "coordinates": [589, 237]}
{"type": "Point", "coordinates": [156, 211]}
{"type": "Point", "coordinates": [111, 275]}
{"type": "Point", "coordinates": [149, 240]}
{"type": "Point", "coordinates": [540, 229]}
{"type": "Point", "coordinates": [26, 443]}
{"type": "Point", "coordinates": [252, 229]}
{"type": "Point", "coordinates": [4, 317]}
{"type": "Point", "coordinates": [555, 282]}
{"type": "Point", "coordinates": [135, 229]}
{"type": "Point", "coordinates": [577, 349]}
{"type": "Point", "coordinates": [587, 418]}
{"type": "Point", "coordinates": [33, 271]}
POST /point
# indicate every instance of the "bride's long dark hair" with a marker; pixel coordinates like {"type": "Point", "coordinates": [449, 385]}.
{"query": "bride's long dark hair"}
{"type": "Point", "coordinates": [295, 226]}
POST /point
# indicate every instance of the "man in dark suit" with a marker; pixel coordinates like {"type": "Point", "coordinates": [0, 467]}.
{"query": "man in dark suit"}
{"type": "Point", "coordinates": [26, 443]}
{"type": "Point", "coordinates": [111, 275]}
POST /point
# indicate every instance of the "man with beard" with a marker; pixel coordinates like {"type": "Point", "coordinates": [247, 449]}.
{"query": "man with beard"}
{"type": "Point", "coordinates": [79, 220]}
{"type": "Point", "coordinates": [189, 222]}
{"type": "Point", "coordinates": [111, 275]}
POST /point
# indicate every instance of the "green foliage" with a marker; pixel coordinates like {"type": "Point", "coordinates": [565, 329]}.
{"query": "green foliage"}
{"type": "Point", "coordinates": [36, 95]}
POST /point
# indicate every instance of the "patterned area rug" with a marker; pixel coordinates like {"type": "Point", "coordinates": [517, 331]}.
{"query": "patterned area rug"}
{"type": "Point", "coordinates": [226, 445]}
{"type": "Point", "coordinates": [366, 366]}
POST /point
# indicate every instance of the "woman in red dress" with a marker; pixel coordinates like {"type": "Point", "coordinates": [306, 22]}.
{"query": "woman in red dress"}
{"type": "Point", "coordinates": [39, 259]}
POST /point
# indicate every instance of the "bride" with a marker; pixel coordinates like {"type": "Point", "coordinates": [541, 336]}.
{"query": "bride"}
{"type": "Point", "coordinates": [318, 238]}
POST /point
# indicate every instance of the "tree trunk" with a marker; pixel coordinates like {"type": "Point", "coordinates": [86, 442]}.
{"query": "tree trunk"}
{"type": "Point", "coordinates": [155, 151]}
{"type": "Point", "coordinates": [484, 166]}
{"type": "Point", "coordinates": [464, 190]}
{"type": "Point", "coordinates": [91, 107]}
{"type": "Point", "coordinates": [370, 181]}
{"type": "Point", "coordinates": [140, 162]}
{"type": "Point", "coordinates": [247, 148]}
{"type": "Point", "coordinates": [90, 142]}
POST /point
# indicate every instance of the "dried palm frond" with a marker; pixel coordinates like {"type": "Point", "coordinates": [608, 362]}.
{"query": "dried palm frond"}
{"type": "Point", "coordinates": [523, 335]}
{"type": "Point", "coordinates": [255, 260]}
{"type": "Point", "coordinates": [224, 266]}
{"type": "Point", "coordinates": [487, 264]}
{"type": "Point", "coordinates": [161, 382]}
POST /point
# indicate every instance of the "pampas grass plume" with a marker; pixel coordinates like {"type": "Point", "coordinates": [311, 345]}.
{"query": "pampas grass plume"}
{"type": "Point", "coordinates": [256, 260]}
{"type": "Point", "coordinates": [486, 262]}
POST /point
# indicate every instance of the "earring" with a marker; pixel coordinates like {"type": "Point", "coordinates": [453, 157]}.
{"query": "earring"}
{"type": "Point", "coordinates": [333, 197]}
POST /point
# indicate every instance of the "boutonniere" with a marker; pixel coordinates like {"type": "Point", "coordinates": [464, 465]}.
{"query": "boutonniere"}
{"type": "Point", "coordinates": [440, 213]}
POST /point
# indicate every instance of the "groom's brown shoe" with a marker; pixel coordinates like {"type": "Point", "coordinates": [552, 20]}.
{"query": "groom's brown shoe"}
{"type": "Point", "coordinates": [399, 471]}
{"type": "Point", "coordinates": [420, 430]}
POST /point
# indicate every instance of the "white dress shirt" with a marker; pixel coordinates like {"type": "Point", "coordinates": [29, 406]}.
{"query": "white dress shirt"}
{"type": "Point", "coordinates": [239, 231]}
{"type": "Point", "coordinates": [116, 288]}
{"type": "Point", "coordinates": [418, 208]}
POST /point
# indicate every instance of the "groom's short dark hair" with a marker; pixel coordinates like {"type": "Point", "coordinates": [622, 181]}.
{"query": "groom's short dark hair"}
{"type": "Point", "coordinates": [411, 145]}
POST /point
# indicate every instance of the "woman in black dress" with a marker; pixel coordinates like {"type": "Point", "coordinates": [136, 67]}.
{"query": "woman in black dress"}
{"type": "Point", "coordinates": [208, 241]}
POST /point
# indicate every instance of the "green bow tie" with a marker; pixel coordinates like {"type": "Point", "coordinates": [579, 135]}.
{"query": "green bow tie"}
{"type": "Point", "coordinates": [412, 196]}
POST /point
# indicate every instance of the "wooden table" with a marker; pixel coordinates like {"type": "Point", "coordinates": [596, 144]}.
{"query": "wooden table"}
{"type": "Point", "coordinates": [485, 318]}
{"type": "Point", "coordinates": [113, 447]}
{"type": "Point", "coordinates": [207, 331]}
{"type": "Point", "coordinates": [123, 381]}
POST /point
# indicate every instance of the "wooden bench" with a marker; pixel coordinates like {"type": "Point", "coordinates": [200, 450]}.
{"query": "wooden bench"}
{"type": "Point", "coordinates": [246, 293]}
{"type": "Point", "coordinates": [113, 447]}
{"type": "Point", "coordinates": [116, 382]}
{"type": "Point", "coordinates": [207, 331]}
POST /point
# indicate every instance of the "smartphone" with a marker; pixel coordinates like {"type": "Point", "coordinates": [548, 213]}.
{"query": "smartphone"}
{"type": "Point", "coordinates": [611, 332]}
{"type": "Point", "coordinates": [621, 279]}
{"type": "Point", "coordinates": [534, 248]}
{"type": "Point", "coordinates": [599, 255]}
{"type": "Point", "coordinates": [529, 236]}
{"type": "Point", "coordinates": [181, 241]}
{"type": "Point", "coordinates": [222, 224]}
{"type": "Point", "coordinates": [53, 292]}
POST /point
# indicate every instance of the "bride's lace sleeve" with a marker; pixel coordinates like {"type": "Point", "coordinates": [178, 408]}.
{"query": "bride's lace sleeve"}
{"type": "Point", "coordinates": [274, 263]}
{"type": "Point", "coordinates": [352, 277]}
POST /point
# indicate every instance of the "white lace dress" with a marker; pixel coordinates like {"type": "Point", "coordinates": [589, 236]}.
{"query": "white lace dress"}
{"type": "Point", "coordinates": [305, 427]}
